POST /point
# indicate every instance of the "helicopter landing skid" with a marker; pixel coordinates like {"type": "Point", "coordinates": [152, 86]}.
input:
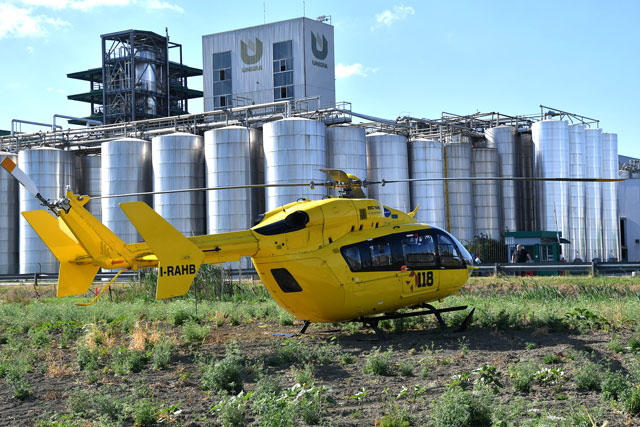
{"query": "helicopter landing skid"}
{"type": "Point", "coordinates": [373, 321]}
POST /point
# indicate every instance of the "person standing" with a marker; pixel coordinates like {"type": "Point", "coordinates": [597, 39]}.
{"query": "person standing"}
{"type": "Point", "coordinates": [521, 256]}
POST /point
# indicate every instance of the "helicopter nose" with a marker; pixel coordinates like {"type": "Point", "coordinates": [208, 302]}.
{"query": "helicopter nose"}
{"type": "Point", "coordinates": [463, 251]}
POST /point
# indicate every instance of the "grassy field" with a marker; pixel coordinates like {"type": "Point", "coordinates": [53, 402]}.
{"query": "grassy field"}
{"type": "Point", "coordinates": [540, 351]}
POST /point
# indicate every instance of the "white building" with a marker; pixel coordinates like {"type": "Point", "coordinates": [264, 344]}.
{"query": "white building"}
{"type": "Point", "coordinates": [285, 60]}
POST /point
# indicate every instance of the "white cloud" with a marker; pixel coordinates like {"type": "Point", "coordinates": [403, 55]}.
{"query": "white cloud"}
{"type": "Point", "coordinates": [85, 5]}
{"type": "Point", "coordinates": [30, 49]}
{"type": "Point", "coordinates": [21, 22]}
{"type": "Point", "coordinates": [388, 17]}
{"type": "Point", "coordinates": [158, 4]}
{"type": "Point", "coordinates": [344, 71]}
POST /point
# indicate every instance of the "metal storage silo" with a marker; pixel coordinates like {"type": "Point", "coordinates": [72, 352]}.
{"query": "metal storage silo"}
{"type": "Point", "coordinates": [228, 163]}
{"type": "Point", "coordinates": [459, 193]}
{"type": "Point", "coordinates": [593, 193]}
{"type": "Point", "coordinates": [577, 162]}
{"type": "Point", "coordinates": [610, 241]}
{"type": "Point", "coordinates": [294, 152]}
{"type": "Point", "coordinates": [526, 189]}
{"type": "Point", "coordinates": [485, 162]}
{"type": "Point", "coordinates": [52, 170]}
{"type": "Point", "coordinates": [126, 168]}
{"type": "Point", "coordinates": [257, 172]}
{"type": "Point", "coordinates": [427, 161]}
{"type": "Point", "coordinates": [504, 139]}
{"type": "Point", "coordinates": [8, 219]}
{"type": "Point", "coordinates": [551, 140]}
{"type": "Point", "coordinates": [347, 150]}
{"type": "Point", "coordinates": [89, 183]}
{"type": "Point", "coordinates": [178, 163]}
{"type": "Point", "coordinates": [387, 159]}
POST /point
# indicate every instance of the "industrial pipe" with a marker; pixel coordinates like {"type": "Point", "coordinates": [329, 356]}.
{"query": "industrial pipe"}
{"type": "Point", "coordinates": [87, 121]}
{"type": "Point", "coordinates": [14, 121]}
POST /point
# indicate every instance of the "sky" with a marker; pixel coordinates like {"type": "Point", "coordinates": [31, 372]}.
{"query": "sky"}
{"type": "Point", "coordinates": [393, 58]}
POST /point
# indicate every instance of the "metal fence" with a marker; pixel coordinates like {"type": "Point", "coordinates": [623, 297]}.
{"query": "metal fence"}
{"type": "Point", "coordinates": [593, 269]}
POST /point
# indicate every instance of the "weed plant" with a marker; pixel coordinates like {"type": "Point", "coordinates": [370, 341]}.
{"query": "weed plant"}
{"type": "Point", "coordinates": [225, 375]}
{"type": "Point", "coordinates": [379, 363]}
{"type": "Point", "coordinates": [523, 375]}
{"type": "Point", "coordinates": [194, 334]}
{"type": "Point", "coordinates": [614, 385]}
{"type": "Point", "coordinates": [161, 354]}
{"type": "Point", "coordinates": [458, 407]}
{"type": "Point", "coordinates": [395, 416]}
{"type": "Point", "coordinates": [588, 377]}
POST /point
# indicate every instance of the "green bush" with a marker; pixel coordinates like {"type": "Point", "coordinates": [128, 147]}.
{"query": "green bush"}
{"type": "Point", "coordinates": [615, 345]}
{"type": "Point", "coordinates": [457, 407]}
{"type": "Point", "coordinates": [39, 337]}
{"type": "Point", "coordinates": [87, 358]}
{"type": "Point", "coordinates": [15, 378]}
{"type": "Point", "coordinates": [145, 412]}
{"type": "Point", "coordinates": [194, 333]}
{"type": "Point", "coordinates": [224, 375]}
{"type": "Point", "coordinates": [395, 416]}
{"type": "Point", "coordinates": [523, 375]}
{"type": "Point", "coordinates": [552, 359]}
{"type": "Point", "coordinates": [634, 344]}
{"type": "Point", "coordinates": [231, 410]}
{"type": "Point", "coordinates": [406, 368]}
{"type": "Point", "coordinates": [304, 376]}
{"type": "Point", "coordinates": [125, 361]}
{"type": "Point", "coordinates": [379, 363]}
{"type": "Point", "coordinates": [588, 377]}
{"type": "Point", "coordinates": [161, 354]}
{"type": "Point", "coordinates": [631, 401]}
{"type": "Point", "coordinates": [614, 385]}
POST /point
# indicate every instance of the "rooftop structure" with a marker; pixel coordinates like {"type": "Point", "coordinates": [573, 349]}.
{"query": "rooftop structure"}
{"type": "Point", "coordinates": [286, 60]}
{"type": "Point", "coordinates": [136, 81]}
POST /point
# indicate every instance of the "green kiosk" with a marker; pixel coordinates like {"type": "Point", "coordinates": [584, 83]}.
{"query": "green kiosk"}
{"type": "Point", "coordinates": [544, 246]}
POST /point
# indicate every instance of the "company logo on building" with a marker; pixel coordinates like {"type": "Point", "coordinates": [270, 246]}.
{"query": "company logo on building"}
{"type": "Point", "coordinates": [320, 49]}
{"type": "Point", "coordinates": [251, 59]}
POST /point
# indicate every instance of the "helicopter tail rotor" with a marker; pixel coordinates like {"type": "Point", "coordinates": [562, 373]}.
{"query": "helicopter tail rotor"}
{"type": "Point", "coordinates": [74, 277]}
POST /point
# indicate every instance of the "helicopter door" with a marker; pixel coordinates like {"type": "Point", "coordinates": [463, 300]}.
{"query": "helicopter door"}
{"type": "Point", "coordinates": [419, 256]}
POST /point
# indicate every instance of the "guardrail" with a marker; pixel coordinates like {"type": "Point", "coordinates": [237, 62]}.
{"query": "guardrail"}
{"type": "Point", "coordinates": [593, 268]}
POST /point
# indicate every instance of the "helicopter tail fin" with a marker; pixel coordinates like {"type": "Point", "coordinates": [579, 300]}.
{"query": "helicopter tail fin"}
{"type": "Point", "coordinates": [77, 270]}
{"type": "Point", "coordinates": [178, 258]}
{"type": "Point", "coordinates": [413, 213]}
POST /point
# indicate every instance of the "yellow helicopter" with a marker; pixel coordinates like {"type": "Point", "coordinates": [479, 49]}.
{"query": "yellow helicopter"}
{"type": "Point", "coordinates": [330, 260]}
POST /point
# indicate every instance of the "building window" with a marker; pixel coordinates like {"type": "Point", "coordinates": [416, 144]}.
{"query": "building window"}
{"type": "Point", "coordinates": [222, 79]}
{"type": "Point", "coordinates": [283, 70]}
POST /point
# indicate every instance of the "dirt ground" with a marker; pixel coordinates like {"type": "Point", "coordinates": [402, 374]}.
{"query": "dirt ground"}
{"type": "Point", "coordinates": [358, 398]}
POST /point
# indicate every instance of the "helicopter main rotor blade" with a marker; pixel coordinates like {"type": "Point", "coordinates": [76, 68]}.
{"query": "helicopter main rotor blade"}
{"type": "Point", "coordinates": [493, 178]}
{"type": "Point", "coordinates": [22, 177]}
{"type": "Point", "coordinates": [310, 184]}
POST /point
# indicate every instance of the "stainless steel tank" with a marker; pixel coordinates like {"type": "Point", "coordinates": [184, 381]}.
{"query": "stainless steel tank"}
{"type": "Point", "coordinates": [229, 163]}
{"type": "Point", "coordinates": [52, 170]}
{"type": "Point", "coordinates": [347, 150]}
{"type": "Point", "coordinates": [504, 139]}
{"type": "Point", "coordinates": [610, 239]}
{"type": "Point", "coordinates": [485, 162]}
{"type": "Point", "coordinates": [593, 193]}
{"type": "Point", "coordinates": [146, 78]}
{"type": "Point", "coordinates": [624, 174]}
{"type": "Point", "coordinates": [178, 163]}
{"type": "Point", "coordinates": [526, 189]}
{"type": "Point", "coordinates": [577, 250]}
{"type": "Point", "coordinates": [551, 140]}
{"type": "Point", "coordinates": [88, 178]}
{"type": "Point", "coordinates": [635, 175]}
{"type": "Point", "coordinates": [126, 168]}
{"type": "Point", "coordinates": [8, 219]}
{"type": "Point", "coordinates": [427, 161]}
{"type": "Point", "coordinates": [460, 193]}
{"type": "Point", "coordinates": [387, 158]}
{"type": "Point", "coordinates": [257, 172]}
{"type": "Point", "coordinates": [294, 152]}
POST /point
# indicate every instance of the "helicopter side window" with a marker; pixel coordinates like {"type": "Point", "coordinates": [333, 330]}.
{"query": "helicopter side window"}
{"type": "Point", "coordinates": [419, 251]}
{"type": "Point", "coordinates": [449, 256]}
{"type": "Point", "coordinates": [352, 256]}
{"type": "Point", "coordinates": [380, 254]}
